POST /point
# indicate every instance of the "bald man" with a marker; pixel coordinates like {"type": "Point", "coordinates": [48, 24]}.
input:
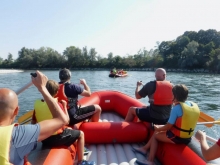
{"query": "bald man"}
{"type": "Point", "coordinates": [160, 97]}
{"type": "Point", "coordinates": [16, 141]}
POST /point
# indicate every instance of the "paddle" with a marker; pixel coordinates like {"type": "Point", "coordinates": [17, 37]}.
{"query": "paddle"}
{"type": "Point", "coordinates": [210, 123]}
{"type": "Point", "coordinates": [27, 85]}
{"type": "Point", "coordinates": [26, 118]}
{"type": "Point", "coordinates": [211, 139]}
{"type": "Point", "coordinates": [205, 119]}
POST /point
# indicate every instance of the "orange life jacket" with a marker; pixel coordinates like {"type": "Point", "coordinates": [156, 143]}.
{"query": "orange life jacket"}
{"type": "Point", "coordinates": [71, 102]}
{"type": "Point", "coordinates": [163, 94]}
{"type": "Point", "coordinates": [61, 94]}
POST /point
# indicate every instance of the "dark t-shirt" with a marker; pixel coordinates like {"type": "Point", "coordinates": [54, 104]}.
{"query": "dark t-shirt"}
{"type": "Point", "coordinates": [156, 111]}
{"type": "Point", "coordinates": [72, 91]}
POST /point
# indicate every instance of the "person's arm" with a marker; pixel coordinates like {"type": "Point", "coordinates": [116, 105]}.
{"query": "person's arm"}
{"type": "Point", "coordinates": [209, 153]}
{"type": "Point", "coordinates": [86, 92]}
{"type": "Point", "coordinates": [48, 127]}
{"type": "Point", "coordinates": [139, 83]}
{"type": "Point", "coordinates": [166, 127]}
{"type": "Point", "coordinates": [64, 107]}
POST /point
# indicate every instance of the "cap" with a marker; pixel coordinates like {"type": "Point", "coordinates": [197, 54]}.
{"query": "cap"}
{"type": "Point", "coordinates": [64, 74]}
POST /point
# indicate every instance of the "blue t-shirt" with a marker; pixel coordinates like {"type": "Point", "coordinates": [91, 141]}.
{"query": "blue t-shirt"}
{"type": "Point", "coordinates": [24, 140]}
{"type": "Point", "coordinates": [176, 112]}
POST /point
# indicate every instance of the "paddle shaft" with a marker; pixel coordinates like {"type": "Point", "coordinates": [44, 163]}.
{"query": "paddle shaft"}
{"type": "Point", "coordinates": [210, 122]}
{"type": "Point", "coordinates": [211, 139]}
{"type": "Point", "coordinates": [23, 88]}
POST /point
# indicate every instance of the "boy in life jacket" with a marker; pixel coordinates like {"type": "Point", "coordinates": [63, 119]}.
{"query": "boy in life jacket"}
{"type": "Point", "coordinates": [16, 141]}
{"type": "Point", "coordinates": [64, 136]}
{"type": "Point", "coordinates": [69, 92]}
{"type": "Point", "coordinates": [180, 127]}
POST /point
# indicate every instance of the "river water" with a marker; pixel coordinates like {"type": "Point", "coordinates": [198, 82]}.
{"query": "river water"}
{"type": "Point", "coordinates": [203, 88]}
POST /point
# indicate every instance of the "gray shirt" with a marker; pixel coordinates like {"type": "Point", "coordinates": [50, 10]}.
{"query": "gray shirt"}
{"type": "Point", "coordinates": [24, 140]}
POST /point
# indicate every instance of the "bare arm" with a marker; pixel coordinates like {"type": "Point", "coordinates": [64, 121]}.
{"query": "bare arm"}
{"type": "Point", "coordinates": [86, 92]}
{"type": "Point", "coordinates": [64, 104]}
{"type": "Point", "coordinates": [209, 153]}
{"type": "Point", "coordinates": [163, 128]}
{"type": "Point", "coordinates": [139, 83]}
{"type": "Point", "coordinates": [48, 127]}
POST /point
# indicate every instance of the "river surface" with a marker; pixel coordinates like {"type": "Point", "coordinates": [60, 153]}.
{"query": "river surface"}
{"type": "Point", "coordinates": [204, 89]}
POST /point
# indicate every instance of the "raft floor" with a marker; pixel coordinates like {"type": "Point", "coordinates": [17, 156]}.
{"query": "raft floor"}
{"type": "Point", "coordinates": [114, 154]}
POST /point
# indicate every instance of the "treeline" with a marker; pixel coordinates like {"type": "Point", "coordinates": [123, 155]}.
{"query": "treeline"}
{"type": "Point", "coordinates": [192, 50]}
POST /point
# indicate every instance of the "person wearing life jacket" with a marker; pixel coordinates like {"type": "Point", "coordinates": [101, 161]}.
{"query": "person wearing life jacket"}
{"type": "Point", "coordinates": [16, 141]}
{"type": "Point", "coordinates": [160, 97]}
{"type": "Point", "coordinates": [69, 91]}
{"type": "Point", "coordinates": [180, 126]}
{"type": "Point", "coordinates": [64, 136]}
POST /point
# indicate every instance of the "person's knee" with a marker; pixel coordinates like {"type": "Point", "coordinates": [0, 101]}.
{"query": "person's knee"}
{"type": "Point", "coordinates": [97, 108]}
{"type": "Point", "coordinates": [132, 110]}
{"type": "Point", "coordinates": [81, 134]}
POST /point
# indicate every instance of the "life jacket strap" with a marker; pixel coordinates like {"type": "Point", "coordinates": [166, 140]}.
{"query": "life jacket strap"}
{"type": "Point", "coordinates": [184, 130]}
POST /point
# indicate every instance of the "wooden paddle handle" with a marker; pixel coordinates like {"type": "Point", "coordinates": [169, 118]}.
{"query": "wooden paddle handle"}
{"type": "Point", "coordinates": [27, 85]}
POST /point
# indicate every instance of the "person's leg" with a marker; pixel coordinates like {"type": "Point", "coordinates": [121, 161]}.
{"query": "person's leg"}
{"type": "Point", "coordinates": [96, 116]}
{"type": "Point", "coordinates": [131, 114]}
{"type": "Point", "coordinates": [146, 147]}
{"type": "Point", "coordinates": [80, 146]}
{"type": "Point", "coordinates": [160, 136]}
{"type": "Point", "coordinates": [87, 112]}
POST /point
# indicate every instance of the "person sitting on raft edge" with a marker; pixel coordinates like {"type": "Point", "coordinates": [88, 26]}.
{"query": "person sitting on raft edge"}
{"type": "Point", "coordinates": [65, 136]}
{"type": "Point", "coordinates": [69, 92]}
{"type": "Point", "coordinates": [180, 126]}
{"type": "Point", "coordinates": [160, 97]}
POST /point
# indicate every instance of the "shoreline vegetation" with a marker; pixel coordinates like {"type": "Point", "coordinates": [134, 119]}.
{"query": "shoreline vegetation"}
{"type": "Point", "coordinates": [6, 70]}
{"type": "Point", "coordinates": [197, 52]}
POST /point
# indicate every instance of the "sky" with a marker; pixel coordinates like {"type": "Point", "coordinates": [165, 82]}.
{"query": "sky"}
{"type": "Point", "coordinates": [119, 26]}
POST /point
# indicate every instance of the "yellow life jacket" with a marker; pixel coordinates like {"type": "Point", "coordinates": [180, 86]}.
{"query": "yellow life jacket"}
{"type": "Point", "coordinates": [184, 125]}
{"type": "Point", "coordinates": [42, 112]}
{"type": "Point", "coordinates": [5, 141]}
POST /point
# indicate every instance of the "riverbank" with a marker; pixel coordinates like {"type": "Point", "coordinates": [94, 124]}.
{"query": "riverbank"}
{"type": "Point", "coordinates": [127, 69]}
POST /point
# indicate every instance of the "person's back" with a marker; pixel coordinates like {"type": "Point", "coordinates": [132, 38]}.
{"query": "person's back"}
{"type": "Point", "coordinates": [18, 141]}
{"type": "Point", "coordinates": [69, 91]}
{"type": "Point", "coordinates": [160, 97]}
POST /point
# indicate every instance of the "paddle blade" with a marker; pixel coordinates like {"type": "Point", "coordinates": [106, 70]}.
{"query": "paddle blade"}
{"type": "Point", "coordinates": [205, 118]}
{"type": "Point", "coordinates": [26, 118]}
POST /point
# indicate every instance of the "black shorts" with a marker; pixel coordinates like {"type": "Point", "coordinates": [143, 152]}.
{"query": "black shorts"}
{"type": "Point", "coordinates": [176, 139]}
{"type": "Point", "coordinates": [66, 138]}
{"type": "Point", "coordinates": [82, 114]}
{"type": "Point", "coordinates": [144, 115]}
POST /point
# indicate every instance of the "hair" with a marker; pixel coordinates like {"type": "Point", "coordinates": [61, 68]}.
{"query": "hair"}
{"type": "Point", "coordinates": [64, 74]}
{"type": "Point", "coordinates": [52, 87]}
{"type": "Point", "coordinates": [180, 92]}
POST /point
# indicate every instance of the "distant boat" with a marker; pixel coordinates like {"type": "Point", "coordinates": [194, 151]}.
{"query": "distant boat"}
{"type": "Point", "coordinates": [118, 74]}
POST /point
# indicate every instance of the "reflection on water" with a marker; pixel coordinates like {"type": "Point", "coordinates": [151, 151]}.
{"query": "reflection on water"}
{"type": "Point", "coordinates": [203, 88]}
